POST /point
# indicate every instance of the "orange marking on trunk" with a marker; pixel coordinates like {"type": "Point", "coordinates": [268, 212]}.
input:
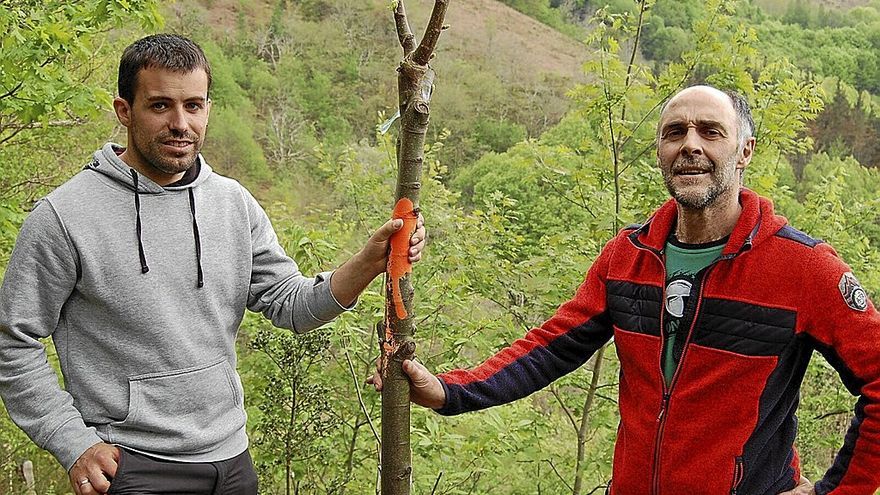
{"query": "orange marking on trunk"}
{"type": "Point", "coordinates": [398, 260]}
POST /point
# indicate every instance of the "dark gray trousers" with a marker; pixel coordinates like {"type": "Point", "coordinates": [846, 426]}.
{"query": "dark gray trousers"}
{"type": "Point", "coordinates": [138, 474]}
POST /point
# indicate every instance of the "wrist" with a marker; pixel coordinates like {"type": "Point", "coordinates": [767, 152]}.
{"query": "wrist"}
{"type": "Point", "coordinates": [372, 267]}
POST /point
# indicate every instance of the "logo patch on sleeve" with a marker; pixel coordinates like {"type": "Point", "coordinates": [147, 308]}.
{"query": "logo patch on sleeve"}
{"type": "Point", "coordinates": [853, 293]}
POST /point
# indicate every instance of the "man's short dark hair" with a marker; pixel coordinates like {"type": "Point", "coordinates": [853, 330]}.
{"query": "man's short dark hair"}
{"type": "Point", "coordinates": [165, 51]}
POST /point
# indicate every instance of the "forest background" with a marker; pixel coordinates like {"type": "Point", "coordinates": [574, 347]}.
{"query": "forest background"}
{"type": "Point", "coordinates": [541, 149]}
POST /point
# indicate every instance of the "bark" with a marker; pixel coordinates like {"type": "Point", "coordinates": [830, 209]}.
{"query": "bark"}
{"type": "Point", "coordinates": [415, 81]}
{"type": "Point", "coordinates": [584, 428]}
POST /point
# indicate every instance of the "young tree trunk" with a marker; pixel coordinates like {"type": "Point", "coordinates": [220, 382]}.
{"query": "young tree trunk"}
{"type": "Point", "coordinates": [415, 82]}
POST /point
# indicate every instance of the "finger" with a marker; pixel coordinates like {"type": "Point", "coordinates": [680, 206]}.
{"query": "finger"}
{"type": "Point", "coordinates": [112, 463]}
{"type": "Point", "coordinates": [416, 251]}
{"type": "Point", "coordinates": [83, 488]}
{"type": "Point", "coordinates": [418, 236]}
{"type": "Point", "coordinates": [376, 381]}
{"type": "Point", "coordinates": [76, 475]}
{"type": "Point", "coordinates": [416, 244]}
{"type": "Point", "coordinates": [388, 228]}
{"type": "Point", "coordinates": [415, 257]}
{"type": "Point", "coordinates": [97, 481]}
{"type": "Point", "coordinates": [421, 222]}
{"type": "Point", "coordinates": [101, 482]}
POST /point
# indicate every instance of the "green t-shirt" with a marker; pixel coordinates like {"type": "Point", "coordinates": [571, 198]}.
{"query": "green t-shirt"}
{"type": "Point", "coordinates": [683, 262]}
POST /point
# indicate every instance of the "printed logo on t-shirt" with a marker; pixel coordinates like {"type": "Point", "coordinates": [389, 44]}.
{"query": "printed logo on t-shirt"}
{"type": "Point", "coordinates": [677, 292]}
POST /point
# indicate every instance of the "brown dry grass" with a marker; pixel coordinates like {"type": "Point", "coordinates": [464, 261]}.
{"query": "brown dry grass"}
{"type": "Point", "coordinates": [490, 30]}
{"type": "Point", "coordinates": [485, 30]}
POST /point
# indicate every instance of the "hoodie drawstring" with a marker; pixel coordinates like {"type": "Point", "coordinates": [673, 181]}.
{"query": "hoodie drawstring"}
{"type": "Point", "coordinates": [137, 209]}
{"type": "Point", "coordinates": [192, 208]}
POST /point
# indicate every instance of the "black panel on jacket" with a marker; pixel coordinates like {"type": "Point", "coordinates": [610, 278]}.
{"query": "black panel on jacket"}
{"type": "Point", "coordinates": [744, 328]}
{"type": "Point", "coordinates": [634, 307]}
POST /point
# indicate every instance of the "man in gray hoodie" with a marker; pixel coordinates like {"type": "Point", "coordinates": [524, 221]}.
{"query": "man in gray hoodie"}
{"type": "Point", "coordinates": [140, 268]}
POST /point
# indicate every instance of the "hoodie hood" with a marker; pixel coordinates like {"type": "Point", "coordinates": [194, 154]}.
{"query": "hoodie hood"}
{"type": "Point", "coordinates": [105, 161]}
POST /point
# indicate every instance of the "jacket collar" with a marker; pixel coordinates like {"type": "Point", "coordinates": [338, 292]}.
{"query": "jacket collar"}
{"type": "Point", "coordinates": [756, 222]}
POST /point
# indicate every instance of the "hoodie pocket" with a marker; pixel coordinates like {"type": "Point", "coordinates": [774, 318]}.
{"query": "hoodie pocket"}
{"type": "Point", "coordinates": [186, 411]}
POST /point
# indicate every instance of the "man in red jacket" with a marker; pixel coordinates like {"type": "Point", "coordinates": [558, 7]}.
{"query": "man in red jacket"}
{"type": "Point", "coordinates": [715, 305]}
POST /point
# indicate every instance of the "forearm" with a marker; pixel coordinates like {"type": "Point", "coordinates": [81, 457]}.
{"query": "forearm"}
{"type": "Point", "coordinates": [350, 279]}
{"type": "Point", "coordinates": [35, 402]}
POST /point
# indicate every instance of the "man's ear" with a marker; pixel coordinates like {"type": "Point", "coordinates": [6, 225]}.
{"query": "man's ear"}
{"type": "Point", "coordinates": [746, 154]}
{"type": "Point", "coordinates": [123, 110]}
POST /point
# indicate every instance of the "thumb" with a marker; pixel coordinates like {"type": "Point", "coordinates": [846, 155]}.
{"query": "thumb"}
{"type": "Point", "coordinates": [387, 229]}
{"type": "Point", "coordinates": [418, 374]}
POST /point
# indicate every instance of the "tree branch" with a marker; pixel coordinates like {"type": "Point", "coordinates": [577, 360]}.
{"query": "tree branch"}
{"type": "Point", "coordinates": [564, 408]}
{"type": "Point", "coordinates": [361, 399]}
{"type": "Point", "coordinates": [432, 33]}
{"type": "Point", "coordinates": [12, 91]}
{"type": "Point", "coordinates": [553, 466]}
{"type": "Point", "coordinates": [643, 7]}
{"type": "Point", "coordinates": [404, 33]}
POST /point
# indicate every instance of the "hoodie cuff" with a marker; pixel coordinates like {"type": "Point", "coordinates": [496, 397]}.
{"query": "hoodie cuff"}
{"type": "Point", "coordinates": [326, 306]}
{"type": "Point", "coordinates": [70, 440]}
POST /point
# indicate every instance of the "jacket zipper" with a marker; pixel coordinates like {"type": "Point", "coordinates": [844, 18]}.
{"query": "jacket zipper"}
{"type": "Point", "coordinates": [667, 395]}
{"type": "Point", "coordinates": [738, 474]}
{"type": "Point", "coordinates": [664, 404]}
{"type": "Point", "coordinates": [667, 389]}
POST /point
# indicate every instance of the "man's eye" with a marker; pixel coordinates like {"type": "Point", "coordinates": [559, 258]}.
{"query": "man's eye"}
{"type": "Point", "coordinates": [712, 132]}
{"type": "Point", "coordinates": [672, 133]}
{"type": "Point", "coordinates": [194, 106]}
{"type": "Point", "coordinates": [159, 106]}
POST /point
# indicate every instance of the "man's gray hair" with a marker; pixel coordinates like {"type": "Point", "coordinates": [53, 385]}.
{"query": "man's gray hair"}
{"type": "Point", "coordinates": [745, 122]}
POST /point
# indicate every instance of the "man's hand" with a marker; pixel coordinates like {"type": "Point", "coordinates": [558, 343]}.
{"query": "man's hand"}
{"type": "Point", "coordinates": [424, 388]}
{"type": "Point", "coordinates": [355, 275]}
{"type": "Point", "coordinates": [89, 474]}
{"type": "Point", "coordinates": [375, 252]}
{"type": "Point", "coordinates": [805, 487]}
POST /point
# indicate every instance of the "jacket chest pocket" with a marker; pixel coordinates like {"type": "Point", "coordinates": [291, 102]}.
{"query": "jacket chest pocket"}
{"type": "Point", "coordinates": [744, 328]}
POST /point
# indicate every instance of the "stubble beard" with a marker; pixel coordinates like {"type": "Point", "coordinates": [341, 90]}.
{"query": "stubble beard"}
{"type": "Point", "coordinates": [170, 163]}
{"type": "Point", "coordinates": [722, 178]}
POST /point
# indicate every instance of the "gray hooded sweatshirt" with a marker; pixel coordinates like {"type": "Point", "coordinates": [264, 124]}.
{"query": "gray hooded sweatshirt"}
{"type": "Point", "coordinates": [142, 288]}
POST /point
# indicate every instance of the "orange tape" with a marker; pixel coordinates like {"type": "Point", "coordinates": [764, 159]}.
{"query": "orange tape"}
{"type": "Point", "coordinates": [398, 260]}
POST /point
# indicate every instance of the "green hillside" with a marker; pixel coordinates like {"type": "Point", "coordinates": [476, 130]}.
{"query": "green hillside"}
{"type": "Point", "coordinates": [780, 7]}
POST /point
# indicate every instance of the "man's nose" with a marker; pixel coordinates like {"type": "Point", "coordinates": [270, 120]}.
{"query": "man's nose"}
{"type": "Point", "coordinates": [177, 120]}
{"type": "Point", "coordinates": [692, 144]}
